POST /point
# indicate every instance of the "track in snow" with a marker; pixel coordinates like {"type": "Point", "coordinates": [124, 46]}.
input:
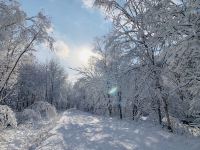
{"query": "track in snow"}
{"type": "Point", "coordinates": [82, 131]}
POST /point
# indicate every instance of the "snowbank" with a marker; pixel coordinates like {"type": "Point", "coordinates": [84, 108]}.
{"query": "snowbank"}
{"type": "Point", "coordinates": [29, 116]}
{"type": "Point", "coordinates": [46, 110]}
{"type": "Point", "coordinates": [7, 117]}
{"type": "Point", "coordinates": [180, 128]}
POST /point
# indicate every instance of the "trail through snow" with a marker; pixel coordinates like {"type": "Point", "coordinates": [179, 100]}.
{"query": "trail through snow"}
{"type": "Point", "coordinates": [77, 130]}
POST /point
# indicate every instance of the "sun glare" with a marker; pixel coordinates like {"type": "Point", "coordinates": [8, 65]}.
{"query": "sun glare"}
{"type": "Point", "coordinates": [85, 55]}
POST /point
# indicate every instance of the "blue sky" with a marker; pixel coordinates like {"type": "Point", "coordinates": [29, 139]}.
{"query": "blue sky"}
{"type": "Point", "coordinates": [75, 25]}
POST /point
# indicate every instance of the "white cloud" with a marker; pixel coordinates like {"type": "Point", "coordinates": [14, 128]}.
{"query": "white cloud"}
{"type": "Point", "coordinates": [62, 49]}
{"type": "Point", "coordinates": [69, 55]}
{"type": "Point", "coordinates": [85, 54]}
{"type": "Point", "coordinates": [74, 60]}
{"type": "Point", "coordinates": [88, 3]}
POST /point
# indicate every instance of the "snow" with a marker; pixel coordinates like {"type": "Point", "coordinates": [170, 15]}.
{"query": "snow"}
{"type": "Point", "coordinates": [82, 131]}
{"type": "Point", "coordinates": [7, 117]}
{"type": "Point", "coordinates": [45, 109]}
{"type": "Point", "coordinates": [24, 136]}
{"type": "Point", "coordinates": [29, 115]}
{"type": "Point", "coordinates": [76, 130]}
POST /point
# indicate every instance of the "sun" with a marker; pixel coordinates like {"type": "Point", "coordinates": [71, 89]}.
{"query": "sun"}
{"type": "Point", "coordinates": [85, 55]}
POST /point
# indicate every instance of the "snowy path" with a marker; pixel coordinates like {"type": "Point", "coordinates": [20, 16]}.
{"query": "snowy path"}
{"type": "Point", "coordinates": [82, 131]}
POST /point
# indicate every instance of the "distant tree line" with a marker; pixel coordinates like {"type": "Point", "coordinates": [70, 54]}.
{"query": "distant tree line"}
{"type": "Point", "coordinates": [46, 82]}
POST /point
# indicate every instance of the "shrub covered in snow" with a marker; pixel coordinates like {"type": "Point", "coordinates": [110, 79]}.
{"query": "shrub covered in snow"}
{"type": "Point", "coordinates": [7, 117]}
{"type": "Point", "coordinates": [29, 115]}
{"type": "Point", "coordinates": [174, 121]}
{"type": "Point", "coordinates": [181, 128]}
{"type": "Point", "coordinates": [46, 110]}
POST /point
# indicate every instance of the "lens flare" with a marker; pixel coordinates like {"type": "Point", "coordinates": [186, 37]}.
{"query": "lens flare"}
{"type": "Point", "coordinates": [113, 90]}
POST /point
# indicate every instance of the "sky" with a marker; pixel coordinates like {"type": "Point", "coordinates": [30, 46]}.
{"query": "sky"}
{"type": "Point", "coordinates": [75, 25]}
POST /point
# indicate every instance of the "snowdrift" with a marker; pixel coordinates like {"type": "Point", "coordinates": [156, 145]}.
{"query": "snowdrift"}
{"type": "Point", "coordinates": [46, 110]}
{"type": "Point", "coordinates": [7, 117]}
{"type": "Point", "coordinates": [36, 112]}
{"type": "Point", "coordinates": [28, 116]}
{"type": "Point", "coordinates": [181, 128]}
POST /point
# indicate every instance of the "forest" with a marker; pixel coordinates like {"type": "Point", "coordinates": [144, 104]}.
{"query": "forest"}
{"type": "Point", "coordinates": [146, 67]}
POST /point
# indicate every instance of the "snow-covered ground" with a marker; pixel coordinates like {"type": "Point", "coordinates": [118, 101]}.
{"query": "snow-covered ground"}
{"type": "Point", "coordinates": [25, 136]}
{"type": "Point", "coordinates": [76, 130]}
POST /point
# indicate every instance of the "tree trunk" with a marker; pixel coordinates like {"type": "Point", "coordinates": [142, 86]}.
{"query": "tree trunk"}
{"type": "Point", "coordinates": [159, 112]}
{"type": "Point", "coordinates": [109, 106]}
{"type": "Point", "coordinates": [119, 104]}
{"type": "Point", "coordinates": [15, 64]}
{"type": "Point", "coordinates": [163, 98]}
{"type": "Point", "coordinates": [167, 114]}
{"type": "Point", "coordinates": [134, 111]}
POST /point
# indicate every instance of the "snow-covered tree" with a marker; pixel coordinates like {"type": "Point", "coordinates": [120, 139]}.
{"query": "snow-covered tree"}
{"type": "Point", "coordinates": [19, 34]}
{"type": "Point", "coordinates": [46, 82]}
{"type": "Point", "coordinates": [149, 61]}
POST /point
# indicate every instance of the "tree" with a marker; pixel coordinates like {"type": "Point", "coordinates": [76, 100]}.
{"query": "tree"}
{"type": "Point", "coordinates": [130, 18]}
{"type": "Point", "coordinates": [37, 82]}
{"type": "Point", "coordinates": [148, 64]}
{"type": "Point", "coordinates": [19, 34]}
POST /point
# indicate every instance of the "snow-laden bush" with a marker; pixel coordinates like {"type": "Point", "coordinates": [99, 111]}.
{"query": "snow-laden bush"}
{"type": "Point", "coordinates": [46, 110]}
{"type": "Point", "coordinates": [181, 128]}
{"type": "Point", "coordinates": [29, 115]}
{"type": "Point", "coordinates": [174, 121]}
{"type": "Point", "coordinates": [7, 117]}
